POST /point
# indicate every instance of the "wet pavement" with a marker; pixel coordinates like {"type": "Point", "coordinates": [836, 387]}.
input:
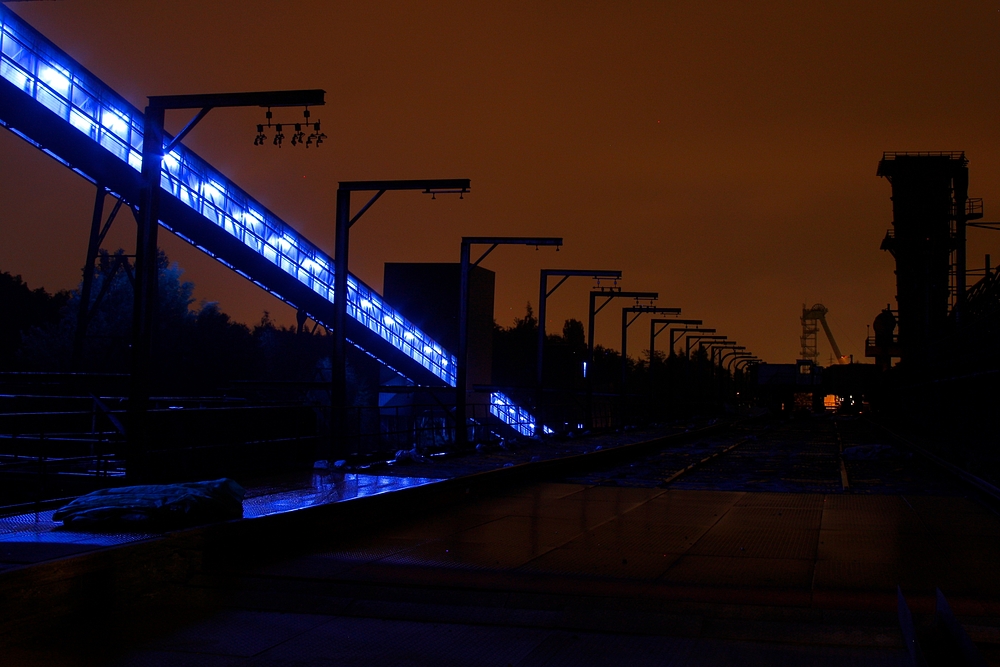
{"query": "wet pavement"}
{"type": "Point", "coordinates": [615, 570]}
{"type": "Point", "coordinates": [566, 574]}
{"type": "Point", "coordinates": [33, 537]}
{"type": "Point", "coordinates": [491, 457]}
{"type": "Point", "coordinates": [799, 456]}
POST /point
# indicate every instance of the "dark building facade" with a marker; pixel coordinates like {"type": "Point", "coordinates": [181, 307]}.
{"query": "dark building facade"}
{"type": "Point", "coordinates": [929, 210]}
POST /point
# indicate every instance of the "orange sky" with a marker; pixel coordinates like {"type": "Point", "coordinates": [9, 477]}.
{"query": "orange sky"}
{"type": "Point", "coordinates": [722, 153]}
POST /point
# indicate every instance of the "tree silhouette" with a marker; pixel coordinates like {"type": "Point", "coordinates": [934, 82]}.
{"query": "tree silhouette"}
{"type": "Point", "coordinates": [198, 348]}
{"type": "Point", "coordinates": [22, 309]}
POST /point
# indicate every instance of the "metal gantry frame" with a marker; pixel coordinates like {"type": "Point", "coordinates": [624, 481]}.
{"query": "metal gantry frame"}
{"type": "Point", "coordinates": [736, 357]}
{"type": "Point", "coordinates": [716, 369]}
{"type": "Point", "coordinates": [544, 292]}
{"type": "Point", "coordinates": [699, 337]}
{"type": "Point", "coordinates": [636, 312]}
{"type": "Point", "coordinates": [666, 324]}
{"type": "Point", "coordinates": [461, 386]}
{"type": "Point", "coordinates": [719, 347]}
{"type": "Point", "coordinates": [711, 346]}
{"type": "Point", "coordinates": [344, 222]}
{"type": "Point", "coordinates": [714, 346]}
{"type": "Point", "coordinates": [716, 349]}
{"type": "Point", "coordinates": [686, 330]}
{"type": "Point", "coordinates": [592, 310]}
{"type": "Point", "coordinates": [144, 313]}
{"type": "Point", "coordinates": [726, 351]}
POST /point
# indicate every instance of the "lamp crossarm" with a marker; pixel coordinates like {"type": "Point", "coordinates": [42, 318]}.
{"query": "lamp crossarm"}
{"type": "Point", "coordinates": [187, 128]}
{"type": "Point", "coordinates": [601, 307]}
{"type": "Point", "coordinates": [357, 216]}
{"type": "Point", "coordinates": [699, 337]}
{"type": "Point", "coordinates": [556, 286]}
{"type": "Point", "coordinates": [614, 295]}
{"type": "Point", "coordinates": [639, 310]}
{"type": "Point", "coordinates": [427, 185]}
{"type": "Point", "coordinates": [494, 241]}
{"type": "Point", "coordinates": [485, 254]}
{"type": "Point", "coordinates": [207, 102]}
{"type": "Point", "coordinates": [568, 273]}
{"type": "Point", "coordinates": [666, 324]}
{"type": "Point", "coordinates": [685, 330]}
{"type": "Point", "coordinates": [272, 98]}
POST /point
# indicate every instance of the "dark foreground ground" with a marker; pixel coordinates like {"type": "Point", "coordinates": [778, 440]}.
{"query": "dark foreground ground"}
{"type": "Point", "coordinates": [759, 556]}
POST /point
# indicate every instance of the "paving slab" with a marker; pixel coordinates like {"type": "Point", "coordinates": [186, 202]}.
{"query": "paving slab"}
{"type": "Point", "coordinates": [555, 573]}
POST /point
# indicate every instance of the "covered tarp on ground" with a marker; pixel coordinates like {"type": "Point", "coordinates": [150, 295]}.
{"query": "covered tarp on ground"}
{"type": "Point", "coordinates": [166, 505]}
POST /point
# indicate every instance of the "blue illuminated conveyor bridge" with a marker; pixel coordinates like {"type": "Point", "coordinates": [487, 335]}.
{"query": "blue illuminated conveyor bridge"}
{"type": "Point", "coordinates": [57, 105]}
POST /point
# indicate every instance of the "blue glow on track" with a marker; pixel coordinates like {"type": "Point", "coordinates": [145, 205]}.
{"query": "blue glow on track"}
{"type": "Point", "coordinates": [41, 70]}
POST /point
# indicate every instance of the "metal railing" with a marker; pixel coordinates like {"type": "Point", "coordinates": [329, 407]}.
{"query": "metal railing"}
{"type": "Point", "coordinates": [953, 155]}
{"type": "Point", "coordinates": [973, 208]}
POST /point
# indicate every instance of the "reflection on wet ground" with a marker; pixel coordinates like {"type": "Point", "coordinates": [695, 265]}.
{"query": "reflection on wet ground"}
{"type": "Point", "coordinates": [322, 489]}
{"type": "Point", "coordinates": [33, 537]}
{"type": "Point", "coordinates": [566, 574]}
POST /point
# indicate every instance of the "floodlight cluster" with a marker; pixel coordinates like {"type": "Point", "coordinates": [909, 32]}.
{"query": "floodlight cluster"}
{"type": "Point", "coordinates": [299, 138]}
{"type": "Point", "coordinates": [45, 73]}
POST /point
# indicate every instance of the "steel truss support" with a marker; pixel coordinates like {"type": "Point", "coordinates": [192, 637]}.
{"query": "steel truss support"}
{"type": "Point", "coordinates": [98, 232]}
